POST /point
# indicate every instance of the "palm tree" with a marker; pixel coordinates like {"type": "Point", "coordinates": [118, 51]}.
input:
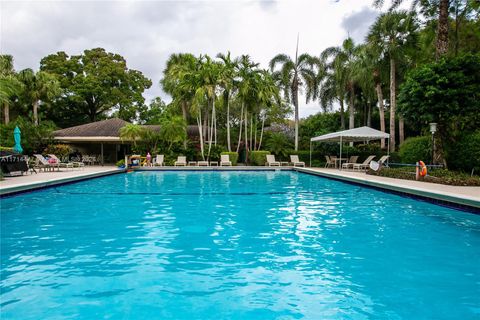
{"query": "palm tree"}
{"type": "Point", "coordinates": [267, 96]}
{"type": "Point", "coordinates": [393, 33]}
{"type": "Point", "coordinates": [441, 44]}
{"type": "Point", "coordinates": [228, 74]}
{"type": "Point", "coordinates": [39, 86]}
{"type": "Point", "coordinates": [178, 65]}
{"type": "Point", "coordinates": [172, 130]}
{"type": "Point", "coordinates": [131, 132]}
{"type": "Point", "coordinates": [9, 85]}
{"type": "Point", "coordinates": [341, 65]}
{"type": "Point", "coordinates": [293, 75]}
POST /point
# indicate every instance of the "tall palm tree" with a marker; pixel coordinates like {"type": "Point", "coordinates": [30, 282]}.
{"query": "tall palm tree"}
{"type": "Point", "coordinates": [228, 74]}
{"type": "Point", "coordinates": [9, 85]}
{"type": "Point", "coordinates": [392, 34]}
{"type": "Point", "coordinates": [294, 75]}
{"type": "Point", "coordinates": [267, 96]}
{"type": "Point", "coordinates": [39, 86]}
{"type": "Point", "coordinates": [177, 66]}
{"type": "Point", "coordinates": [340, 61]}
{"type": "Point", "coordinates": [441, 43]}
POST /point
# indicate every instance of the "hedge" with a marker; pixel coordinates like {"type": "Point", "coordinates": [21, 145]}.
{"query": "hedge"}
{"type": "Point", "coordinates": [258, 158]}
{"type": "Point", "coordinates": [465, 154]}
{"type": "Point", "coordinates": [233, 157]}
{"type": "Point", "coordinates": [416, 149]}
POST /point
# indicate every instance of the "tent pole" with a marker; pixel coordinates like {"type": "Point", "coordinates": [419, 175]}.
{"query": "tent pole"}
{"type": "Point", "coordinates": [310, 153]}
{"type": "Point", "coordinates": [340, 161]}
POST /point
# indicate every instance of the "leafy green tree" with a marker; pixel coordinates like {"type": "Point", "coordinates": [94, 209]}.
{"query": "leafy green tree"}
{"type": "Point", "coordinates": [9, 85]}
{"type": "Point", "coordinates": [172, 130]}
{"type": "Point", "coordinates": [95, 82]}
{"type": "Point", "coordinates": [228, 74]}
{"type": "Point", "coordinates": [154, 113]}
{"type": "Point", "coordinates": [132, 132]}
{"type": "Point", "coordinates": [393, 33]}
{"type": "Point", "coordinates": [39, 87]}
{"type": "Point", "coordinates": [293, 75]}
{"type": "Point", "coordinates": [341, 68]}
{"type": "Point", "coordinates": [34, 137]}
{"type": "Point", "coordinates": [442, 9]}
{"type": "Point", "coordinates": [446, 92]}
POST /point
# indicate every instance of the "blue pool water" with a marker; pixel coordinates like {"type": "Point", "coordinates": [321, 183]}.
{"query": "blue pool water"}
{"type": "Point", "coordinates": [234, 245]}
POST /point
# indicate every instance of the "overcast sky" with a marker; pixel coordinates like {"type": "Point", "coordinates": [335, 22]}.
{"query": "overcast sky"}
{"type": "Point", "coordinates": [147, 32]}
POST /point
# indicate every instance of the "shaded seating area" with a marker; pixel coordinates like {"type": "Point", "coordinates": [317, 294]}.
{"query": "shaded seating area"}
{"type": "Point", "coordinates": [361, 134]}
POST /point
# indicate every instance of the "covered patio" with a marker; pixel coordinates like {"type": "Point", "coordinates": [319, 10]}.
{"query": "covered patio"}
{"type": "Point", "coordinates": [361, 134]}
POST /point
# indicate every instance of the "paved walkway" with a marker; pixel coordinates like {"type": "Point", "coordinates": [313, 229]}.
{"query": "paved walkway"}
{"type": "Point", "coordinates": [458, 194]}
{"type": "Point", "coordinates": [43, 179]}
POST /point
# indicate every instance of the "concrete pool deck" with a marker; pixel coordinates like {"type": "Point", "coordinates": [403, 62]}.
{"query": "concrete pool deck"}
{"type": "Point", "coordinates": [42, 179]}
{"type": "Point", "coordinates": [466, 196]}
{"type": "Point", "coordinates": [458, 195]}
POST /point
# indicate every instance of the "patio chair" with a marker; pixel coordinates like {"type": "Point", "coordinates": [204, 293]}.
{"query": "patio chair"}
{"type": "Point", "coordinates": [225, 160]}
{"type": "Point", "coordinates": [383, 159]}
{"type": "Point", "coordinates": [296, 161]}
{"type": "Point", "coordinates": [350, 162]}
{"type": "Point", "coordinates": [158, 160]}
{"type": "Point", "coordinates": [329, 163]}
{"type": "Point", "coordinates": [42, 163]}
{"type": "Point", "coordinates": [363, 165]}
{"type": "Point", "coordinates": [271, 161]}
{"type": "Point", "coordinates": [70, 164]}
{"type": "Point", "coordinates": [181, 161]}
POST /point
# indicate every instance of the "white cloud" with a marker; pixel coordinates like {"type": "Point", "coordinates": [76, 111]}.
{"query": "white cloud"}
{"type": "Point", "coordinates": [147, 32]}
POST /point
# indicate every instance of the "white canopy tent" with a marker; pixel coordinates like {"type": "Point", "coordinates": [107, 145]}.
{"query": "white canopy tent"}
{"type": "Point", "coordinates": [353, 135]}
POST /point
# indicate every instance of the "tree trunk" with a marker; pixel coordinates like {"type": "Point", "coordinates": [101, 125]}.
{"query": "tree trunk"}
{"type": "Point", "coordinates": [381, 111]}
{"type": "Point", "coordinates": [369, 114]}
{"type": "Point", "coordinates": [342, 114]}
{"type": "Point", "coordinates": [261, 134]}
{"type": "Point", "coordinates": [240, 130]}
{"type": "Point", "coordinates": [200, 132]}
{"type": "Point", "coordinates": [401, 129]}
{"type": "Point", "coordinates": [6, 113]}
{"type": "Point", "coordinates": [441, 45]}
{"type": "Point", "coordinates": [351, 108]}
{"type": "Point", "coordinates": [252, 146]}
{"type": "Point", "coordinates": [211, 133]}
{"type": "Point", "coordinates": [246, 135]}
{"type": "Point", "coordinates": [393, 104]}
{"type": "Point", "coordinates": [35, 112]}
{"type": "Point", "coordinates": [295, 103]}
{"type": "Point", "coordinates": [184, 113]}
{"type": "Point", "coordinates": [228, 124]}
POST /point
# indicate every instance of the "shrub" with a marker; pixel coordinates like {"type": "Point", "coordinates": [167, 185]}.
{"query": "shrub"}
{"type": "Point", "coordinates": [258, 158]}
{"type": "Point", "coordinates": [34, 138]}
{"type": "Point", "coordinates": [415, 149]}
{"type": "Point", "coordinates": [233, 157]}
{"type": "Point", "coordinates": [278, 144]}
{"type": "Point", "coordinates": [120, 163]}
{"type": "Point", "coordinates": [215, 152]}
{"type": "Point", "coordinates": [465, 155]}
{"type": "Point", "coordinates": [60, 150]}
{"type": "Point", "coordinates": [6, 148]}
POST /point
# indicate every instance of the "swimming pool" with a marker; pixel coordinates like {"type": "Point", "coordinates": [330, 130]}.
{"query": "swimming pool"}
{"type": "Point", "coordinates": [234, 245]}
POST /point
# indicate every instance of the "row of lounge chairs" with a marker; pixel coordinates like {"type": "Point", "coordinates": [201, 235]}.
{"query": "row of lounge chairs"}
{"type": "Point", "coordinates": [352, 162]}
{"type": "Point", "coordinates": [48, 165]}
{"type": "Point", "coordinates": [224, 161]}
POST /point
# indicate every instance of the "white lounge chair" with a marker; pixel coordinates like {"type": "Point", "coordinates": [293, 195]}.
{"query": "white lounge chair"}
{"type": "Point", "coordinates": [271, 161]}
{"type": "Point", "coordinates": [181, 161]}
{"type": "Point", "coordinates": [329, 163]}
{"type": "Point", "coordinates": [158, 160]}
{"type": "Point", "coordinates": [296, 161]}
{"type": "Point", "coordinates": [43, 163]}
{"type": "Point", "coordinates": [350, 163]}
{"type": "Point", "coordinates": [225, 160]}
{"type": "Point", "coordinates": [383, 159]}
{"type": "Point", "coordinates": [363, 165]}
{"type": "Point", "coordinates": [70, 164]}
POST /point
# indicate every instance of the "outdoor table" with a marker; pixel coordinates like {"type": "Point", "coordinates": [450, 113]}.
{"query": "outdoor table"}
{"type": "Point", "coordinates": [192, 163]}
{"type": "Point", "coordinates": [338, 162]}
{"type": "Point", "coordinates": [284, 163]}
{"type": "Point", "coordinates": [214, 163]}
{"type": "Point", "coordinates": [202, 163]}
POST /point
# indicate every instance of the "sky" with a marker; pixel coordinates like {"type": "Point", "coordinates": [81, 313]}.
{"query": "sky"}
{"type": "Point", "coordinates": [147, 32]}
